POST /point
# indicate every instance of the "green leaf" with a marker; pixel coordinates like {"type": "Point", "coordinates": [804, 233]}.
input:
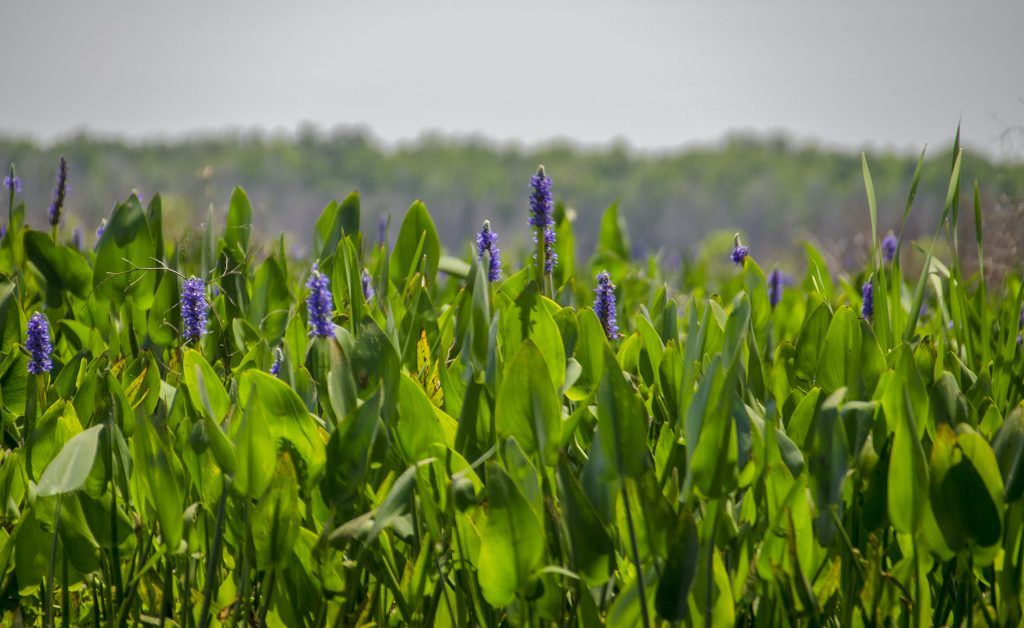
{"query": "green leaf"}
{"type": "Point", "coordinates": [1009, 449]}
{"type": "Point", "coordinates": [417, 238]}
{"type": "Point", "coordinates": [125, 246]}
{"type": "Point", "coordinates": [622, 421]}
{"type": "Point", "coordinates": [254, 444]}
{"type": "Point", "coordinates": [680, 569]}
{"type": "Point", "coordinates": [512, 543]}
{"type": "Point", "coordinates": [839, 364]}
{"type": "Point", "coordinates": [69, 470]}
{"type": "Point", "coordinates": [239, 228]}
{"type": "Point", "coordinates": [335, 222]}
{"type": "Point", "coordinates": [908, 470]}
{"type": "Point", "coordinates": [153, 461]}
{"type": "Point", "coordinates": [529, 318]}
{"type": "Point", "coordinates": [810, 342]}
{"type": "Point", "coordinates": [527, 406]}
{"type": "Point", "coordinates": [290, 424]}
{"type": "Point", "coordinates": [204, 387]}
{"type": "Point", "coordinates": [64, 268]}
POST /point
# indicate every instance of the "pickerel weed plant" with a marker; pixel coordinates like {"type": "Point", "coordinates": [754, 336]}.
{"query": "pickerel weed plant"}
{"type": "Point", "coordinates": [265, 444]}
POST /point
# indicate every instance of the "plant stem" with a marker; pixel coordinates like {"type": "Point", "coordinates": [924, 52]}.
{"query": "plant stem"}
{"type": "Point", "coordinates": [214, 558]}
{"type": "Point", "coordinates": [53, 559]}
{"type": "Point", "coordinates": [636, 557]}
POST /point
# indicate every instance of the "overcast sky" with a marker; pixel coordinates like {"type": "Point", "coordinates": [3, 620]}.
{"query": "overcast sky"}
{"type": "Point", "coordinates": [658, 74]}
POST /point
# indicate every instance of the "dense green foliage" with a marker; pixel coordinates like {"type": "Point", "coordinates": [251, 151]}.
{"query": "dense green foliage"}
{"type": "Point", "coordinates": [779, 190]}
{"type": "Point", "coordinates": [471, 453]}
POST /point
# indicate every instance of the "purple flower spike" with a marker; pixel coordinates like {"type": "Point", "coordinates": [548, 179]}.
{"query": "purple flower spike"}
{"type": "Point", "coordinates": [38, 344]}
{"type": "Point", "coordinates": [193, 309]}
{"type": "Point", "coordinates": [889, 248]}
{"type": "Point", "coordinates": [775, 282]}
{"type": "Point", "coordinates": [275, 368]}
{"type": "Point", "coordinates": [367, 281]}
{"type": "Point", "coordinates": [320, 305]}
{"type": "Point", "coordinates": [76, 238]}
{"type": "Point", "coordinates": [487, 242]}
{"type": "Point", "coordinates": [542, 209]}
{"type": "Point", "coordinates": [59, 192]}
{"type": "Point", "coordinates": [382, 231]}
{"type": "Point", "coordinates": [739, 252]}
{"type": "Point", "coordinates": [13, 182]}
{"type": "Point", "coordinates": [867, 294]}
{"type": "Point", "coordinates": [604, 305]}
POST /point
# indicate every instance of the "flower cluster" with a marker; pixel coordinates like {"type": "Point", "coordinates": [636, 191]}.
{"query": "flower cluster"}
{"type": "Point", "coordinates": [320, 305]}
{"type": "Point", "coordinates": [367, 282]}
{"type": "Point", "coordinates": [867, 295]}
{"type": "Point", "coordinates": [604, 305]}
{"type": "Point", "coordinates": [775, 281]}
{"type": "Point", "coordinates": [542, 209]}
{"type": "Point", "coordinates": [275, 368]}
{"type": "Point", "coordinates": [889, 248]}
{"type": "Point", "coordinates": [38, 344]}
{"type": "Point", "coordinates": [193, 309]}
{"type": "Point", "coordinates": [13, 182]}
{"type": "Point", "coordinates": [59, 192]}
{"type": "Point", "coordinates": [487, 242]}
{"type": "Point", "coordinates": [739, 252]}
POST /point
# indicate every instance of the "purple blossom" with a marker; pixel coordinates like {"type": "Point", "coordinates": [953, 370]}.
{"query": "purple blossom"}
{"type": "Point", "coordinates": [100, 229]}
{"type": "Point", "coordinates": [542, 209]}
{"type": "Point", "coordinates": [275, 368]}
{"type": "Point", "coordinates": [382, 231]}
{"type": "Point", "coordinates": [3, 230]}
{"type": "Point", "coordinates": [889, 248]}
{"type": "Point", "coordinates": [193, 309]}
{"type": "Point", "coordinates": [604, 304]}
{"type": "Point", "coordinates": [76, 238]}
{"type": "Point", "coordinates": [13, 182]}
{"type": "Point", "coordinates": [59, 192]}
{"type": "Point", "coordinates": [319, 305]}
{"type": "Point", "coordinates": [775, 282]}
{"type": "Point", "coordinates": [367, 282]}
{"type": "Point", "coordinates": [867, 294]}
{"type": "Point", "coordinates": [739, 252]}
{"type": "Point", "coordinates": [486, 242]}
{"type": "Point", "coordinates": [38, 344]}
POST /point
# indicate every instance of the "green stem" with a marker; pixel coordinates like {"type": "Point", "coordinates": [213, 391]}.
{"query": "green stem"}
{"type": "Point", "coordinates": [166, 608]}
{"type": "Point", "coordinates": [48, 622]}
{"type": "Point", "coordinates": [636, 558]}
{"type": "Point", "coordinates": [65, 593]}
{"type": "Point", "coordinates": [214, 558]}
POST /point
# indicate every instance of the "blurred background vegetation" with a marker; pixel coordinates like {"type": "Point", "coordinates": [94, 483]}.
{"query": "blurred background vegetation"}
{"type": "Point", "coordinates": [777, 192]}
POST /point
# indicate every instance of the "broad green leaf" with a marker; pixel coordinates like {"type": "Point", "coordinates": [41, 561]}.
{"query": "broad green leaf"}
{"type": "Point", "coordinates": [125, 248]}
{"type": "Point", "coordinates": [839, 364]}
{"type": "Point", "coordinates": [512, 542]}
{"type": "Point", "coordinates": [239, 227]}
{"type": "Point", "coordinates": [290, 424]}
{"type": "Point", "coordinates": [527, 406]}
{"type": "Point", "coordinates": [64, 268]}
{"type": "Point", "coordinates": [254, 444]}
{"type": "Point", "coordinates": [417, 239]}
{"type": "Point", "coordinates": [680, 569]}
{"type": "Point", "coordinates": [204, 387]}
{"type": "Point", "coordinates": [69, 470]}
{"type": "Point", "coordinates": [622, 421]}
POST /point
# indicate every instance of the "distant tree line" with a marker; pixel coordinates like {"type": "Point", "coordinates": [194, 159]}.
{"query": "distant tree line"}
{"type": "Point", "coordinates": [772, 189]}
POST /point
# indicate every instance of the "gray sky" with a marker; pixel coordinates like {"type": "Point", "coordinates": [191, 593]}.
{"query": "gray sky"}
{"type": "Point", "coordinates": [658, 74]}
